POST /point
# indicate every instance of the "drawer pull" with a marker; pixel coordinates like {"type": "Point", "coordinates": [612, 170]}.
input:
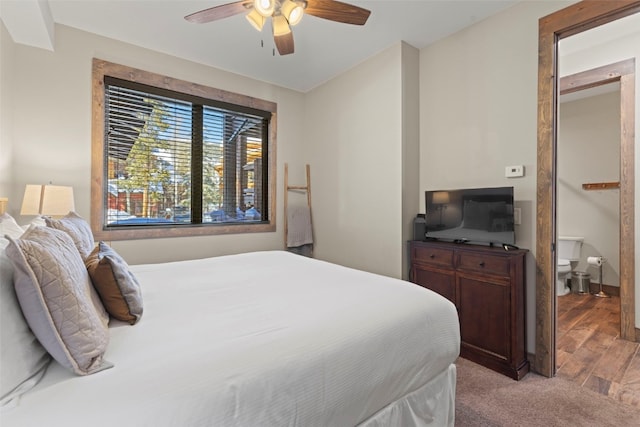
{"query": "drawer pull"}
{"type": "Point", "coordinates": [481, 264]}
{"type": "Point", "coordinates": [432, 256]}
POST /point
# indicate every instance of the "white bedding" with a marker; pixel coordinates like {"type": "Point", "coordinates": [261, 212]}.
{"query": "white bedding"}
{"type": "Point", "coordinates": [263, 339]}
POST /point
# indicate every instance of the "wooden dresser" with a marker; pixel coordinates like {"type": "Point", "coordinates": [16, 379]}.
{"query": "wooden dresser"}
{"type": "Point", "coordinates": [487, 286]}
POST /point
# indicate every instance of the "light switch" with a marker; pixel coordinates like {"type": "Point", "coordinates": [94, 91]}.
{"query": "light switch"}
{"type": "Point", "coordinates": [517, 219]}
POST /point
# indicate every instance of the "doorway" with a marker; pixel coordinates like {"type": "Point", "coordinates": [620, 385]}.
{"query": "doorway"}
{"type": "Point", "coordinates": [569, 21]}
{"type": "Point", "coordinates": [588, 222]}
{"type": "Point", "coordinates": [587, 186]}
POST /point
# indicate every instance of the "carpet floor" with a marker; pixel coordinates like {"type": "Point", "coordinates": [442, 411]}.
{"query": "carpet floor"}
{"type": "Point", "coordinates": [485, 398]}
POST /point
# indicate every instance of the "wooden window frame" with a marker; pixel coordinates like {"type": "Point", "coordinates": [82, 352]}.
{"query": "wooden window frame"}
{"type": "Point", "coordinates": [102, 68]}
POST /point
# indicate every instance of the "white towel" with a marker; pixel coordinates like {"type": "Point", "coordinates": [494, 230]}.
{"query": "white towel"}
{"type": "Point", "coordinates": [299, 226]}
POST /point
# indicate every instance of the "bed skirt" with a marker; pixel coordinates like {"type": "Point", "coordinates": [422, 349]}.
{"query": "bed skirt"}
{"type": "Point", "coordinates": [433, 404]}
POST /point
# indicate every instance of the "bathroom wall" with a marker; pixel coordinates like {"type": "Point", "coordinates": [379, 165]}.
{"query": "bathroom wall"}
{"type": "Point", "coordinates": [614, 42]}
{"type": "Point", "coordinates": [588, 152]}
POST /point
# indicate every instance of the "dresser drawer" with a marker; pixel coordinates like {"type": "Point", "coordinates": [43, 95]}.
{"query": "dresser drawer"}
{"type": "Point", "coordinates": [429, 255]}
{"type": "Point", "coordinates": [485, 263]}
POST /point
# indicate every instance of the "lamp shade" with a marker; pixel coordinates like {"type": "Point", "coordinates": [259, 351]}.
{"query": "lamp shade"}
{"type": "Point", "coordinates": [49, 200]}
{"type": "Point", "coordinates": [265, 7]}
{"type": "Point", "coordinates": [256, 19]}
{"type": "Point", "coordinates": [31, 200]}
{"type": "Point", "coordinates": [280, 26]}
{"type": "Point", "coordinates": [293, 11]}
{"type": "Point", "coordinates": [440, 197]}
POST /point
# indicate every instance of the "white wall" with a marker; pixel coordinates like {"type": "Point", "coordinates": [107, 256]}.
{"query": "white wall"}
{"type": "Point", "coordinates": [478, 114]}
{"type": "Point", "coordinates": [588, 152]}
{"type": "Point", "coordinates": [353, 142]}
{"type": "Point", "coordinates": [576, 57]}
{"type": "Point", "coordinates": [48, 112]}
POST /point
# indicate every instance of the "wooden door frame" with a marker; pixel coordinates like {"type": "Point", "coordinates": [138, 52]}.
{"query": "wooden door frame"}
{"type": "Point", "coordinates": [563, 23]}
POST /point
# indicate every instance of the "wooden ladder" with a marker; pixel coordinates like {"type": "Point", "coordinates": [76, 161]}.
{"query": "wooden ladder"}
{"type": "Point", "coordinates": [301, 188]}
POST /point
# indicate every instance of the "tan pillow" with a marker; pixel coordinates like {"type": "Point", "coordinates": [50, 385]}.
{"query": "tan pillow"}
{"type": "Point", "coordinates": [79, 230]}
{"type": "Point", "coordinates": [57, 299]}
{"type": "Point", "coordinates": [117, 286]}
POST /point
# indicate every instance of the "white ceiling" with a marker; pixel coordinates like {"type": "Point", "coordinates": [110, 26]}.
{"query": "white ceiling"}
{"type": "Point", "coordinates": [323, 49]}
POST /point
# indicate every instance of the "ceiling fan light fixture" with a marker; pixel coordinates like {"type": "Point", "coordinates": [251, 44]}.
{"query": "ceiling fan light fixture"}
{"type": "Point", "coordinates": [265, 7]}
{"type": "Point", "coordinates": [292, 11]}
{"type": "Point", "coordinates": [256, 20]}
{"type": "Point", "coordinates": [284, 14]}
{"type": "Point", "coordinates": [280, 26]}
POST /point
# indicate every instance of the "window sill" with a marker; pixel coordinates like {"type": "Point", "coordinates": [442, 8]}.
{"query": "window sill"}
{"type": "Point", "coordinates": [133, 233]}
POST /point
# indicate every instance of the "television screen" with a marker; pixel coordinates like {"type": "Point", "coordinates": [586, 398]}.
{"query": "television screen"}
{"type": "Point", "coordinates": [474, 215]}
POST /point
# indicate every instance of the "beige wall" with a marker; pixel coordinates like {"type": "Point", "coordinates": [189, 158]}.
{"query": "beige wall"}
{"type": "Point", "coordinates": [478, 114]}
{"type": "Point", "coordinates": [410, 146]}
{"type": "Point", "coordinates": [49, 115]}
{"type": "Point", "coordinates": [350, 130]}
{"type": "Point", "coordinates": [354, 144]}
{"type": "Point", "coordinates": [6, 168]}
{"type": "Point", "coordinates": [589, 151]}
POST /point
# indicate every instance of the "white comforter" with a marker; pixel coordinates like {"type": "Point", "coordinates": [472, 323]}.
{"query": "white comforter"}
{"type": "Point", "coordinates": [257, 339]}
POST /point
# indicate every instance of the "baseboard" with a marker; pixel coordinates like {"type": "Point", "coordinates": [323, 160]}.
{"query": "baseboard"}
{"type": "Point", "coordinates": [594, 288]}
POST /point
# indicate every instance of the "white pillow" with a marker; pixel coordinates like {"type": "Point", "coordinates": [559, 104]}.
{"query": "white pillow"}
{"type": "Point", "coordinates": [39, 220]}
{"type": "Point", "coordinates": [23, 360]}
{"type": "Point", "coordinates": [9, 227]}
{"type": "Point", "coordinates": [58, 300]}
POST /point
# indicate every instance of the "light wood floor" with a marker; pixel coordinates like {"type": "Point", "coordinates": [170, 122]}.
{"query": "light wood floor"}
{"type": "Point", "coordinates": [590, 350]}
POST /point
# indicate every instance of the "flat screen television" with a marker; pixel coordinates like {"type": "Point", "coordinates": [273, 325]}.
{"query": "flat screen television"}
{"type": "Point", "coordinates": [473, 215]}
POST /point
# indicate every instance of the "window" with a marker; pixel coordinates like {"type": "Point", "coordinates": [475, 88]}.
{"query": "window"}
{"type": "Point", "coordinates": [176, 162]}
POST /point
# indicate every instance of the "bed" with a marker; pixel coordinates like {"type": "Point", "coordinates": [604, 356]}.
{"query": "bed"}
{"type": "Point", "coordinates": [262, 339]}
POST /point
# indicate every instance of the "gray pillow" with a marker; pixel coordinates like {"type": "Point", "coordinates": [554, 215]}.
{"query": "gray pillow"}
{"type": "Point", "coordinates": [23, 360]}
{"type": "Point", "coordinates": [78, 229]}
{"type": "Point", "coordinates": [117, 286]}
{"type": "Point", "coordinates": [57, 299]}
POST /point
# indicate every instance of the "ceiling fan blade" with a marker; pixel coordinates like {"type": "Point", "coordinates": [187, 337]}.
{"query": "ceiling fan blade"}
{"type": "Point", "coordinates": [219, 12]}
{"type": "Point", "coordinates": [337, 11]}
{"type": "Point", "coordinates": [284, 43]}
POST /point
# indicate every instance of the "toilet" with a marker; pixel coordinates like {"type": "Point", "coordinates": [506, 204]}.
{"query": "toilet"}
{"type": "Point", "coordinates": [569, 249]}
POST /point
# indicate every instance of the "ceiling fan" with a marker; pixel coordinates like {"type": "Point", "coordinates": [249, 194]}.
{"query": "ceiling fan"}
{"type": "Point", "coordinates": [284, 14]}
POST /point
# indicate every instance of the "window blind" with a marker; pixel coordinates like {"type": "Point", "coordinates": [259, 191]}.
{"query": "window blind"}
{"type": "Point", "coordinates": [176, 160]}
